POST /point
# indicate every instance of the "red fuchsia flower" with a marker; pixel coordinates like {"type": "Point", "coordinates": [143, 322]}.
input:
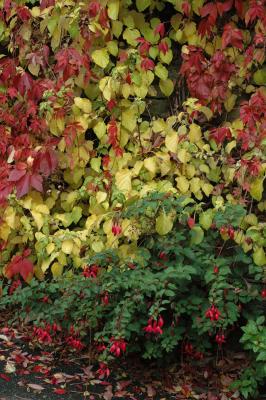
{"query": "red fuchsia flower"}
{"type": "Point", "coordinates": [105, 299]}
{"type": "Point", "coordinates": [163, 256]}
{"type": "Point", "coordinates": [220, 339]}
{"type": "Point", "coordinates": [188, 349]}
{"type": "Point", "coordinates": [263, 293]}
{"type": "Point", "coordinates": [154, 326]}
{"type": "Point", "coordinates": [191, 222]}
{"type": "Point", "coordinates": [198, 355]}
{"type": "Point", "coordinates": [116, 229]}
{"type": "Point", "coordinates": [75, 343]}
{"type": "Point", "coordinates": [216, 269]}
{"type": "Point", "coordinates": [100, 347]}
{"type": "Point", "coordinates": [118, 346]}
{"type": "Point", "coordinates": [103, 371]}
{"type": "Point", "coordinates": [91, 271]}
{"type": "Point", "coordinates": [213, 313]}
{"type": "Point", "coordinates": [45, 299]}
{"type": "Point", "coordinates": [231, 232]}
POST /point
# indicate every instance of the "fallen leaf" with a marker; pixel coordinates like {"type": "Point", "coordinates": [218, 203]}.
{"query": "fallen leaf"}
{"type": "Point", "coordinates": [151, 392]}
{"type": "Point", "coordinates": [5, 377]}
{"type": "Point", "coordinates": [108, 394]}
{"type": "Point", "coordinates": [60, 391]}
{"type": "Point", "coordinates": [35, 386]}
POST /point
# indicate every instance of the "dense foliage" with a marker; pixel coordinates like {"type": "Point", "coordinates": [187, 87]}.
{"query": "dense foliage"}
{"type": "Point", "coordinates": [104, 102]}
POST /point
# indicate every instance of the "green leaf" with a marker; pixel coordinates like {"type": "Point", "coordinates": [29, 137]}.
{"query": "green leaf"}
{"type": "Point", "coordinates": [161, 71]}
{"type": "Point", "coordinates": [113, 9]}
{"type": "Point", "coordinates": [260, 77]}
{"type": "Point", "coordinates": [143, 4]}
{"type": "Point", "coordinates": [197, 235]}
{"type": "Point", "coordinates": [164, 224]}
{"type": "Point", "coordinates": [167, 87]}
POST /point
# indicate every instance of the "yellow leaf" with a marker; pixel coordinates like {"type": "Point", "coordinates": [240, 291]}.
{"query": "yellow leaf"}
{"type": "Point", "coordinates": [67, 246]}
{"type": "Point", "coordinates": [259, 257]}
{"type": "Point", "coordinates": [97, 246]}
{"type": "Point", "coordinates": [100, 128]}
{"type": "Point", "coordinates": [150, 164]}
{"type": "Point", "coordinates": [105, 86]}
{"type": "Point", "coordinates": [83, 104]}
{"type": "Point", "coordinates": [101, 57]}
{"type": "Point", "coordinates": [43, 209]}
{"type": "Point", "coordinates": [230, 102]}
{"type": "Point", "coordinates": [195, 185]}
{"type": "Point", "coordinates": [4, 231]}
{"type": "Point", "coordinates": [207, 188]}
{"type": "Point", "coordinates": [91, 221]}
{"type": "Point", "coordinates": [164, 224]}
{"type": "Point", "coordinates": [182, 184]}
{"type": "Point", "coordinates": [166, 86]}
{"type": "Point", "coordinates": [194, 133]}
{"type": "Point", "coordinates": [123, 180]}
{"type": "Point", "coordinates": [113, 9]}
{"type": "Point", "coordinates": [38, 218]}
{"type": "Point", "coordinates": [10, 217]}
{"type": "Point", "coordinates": [230, 146]}
{"type": "Point", "coordinates": [183, 155]}
{"type": "Point", "coordinates": [100, 197]}
{"type": "Point", "coordinates": [171, 141]}
{"type": "Point", "coordinates": [57, 269]}
{"type": "Point", "coordinates": [256, 189]}
{"type": "Point", "coordinates": [50, 248]}
{"type": "Point", "coordinates": [45, 264]}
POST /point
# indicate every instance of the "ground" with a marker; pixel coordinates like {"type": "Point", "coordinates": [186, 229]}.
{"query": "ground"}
{"type": "Point", "coordinates": [29, 373]}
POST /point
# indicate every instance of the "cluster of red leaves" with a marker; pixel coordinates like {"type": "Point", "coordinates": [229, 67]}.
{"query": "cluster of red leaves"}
{"type": "Point", "coordinates": [207, 80]}
{"type": "Point", "coordinates": [112, 130]}
{"type": "Point", "coordinates": [20, 265]}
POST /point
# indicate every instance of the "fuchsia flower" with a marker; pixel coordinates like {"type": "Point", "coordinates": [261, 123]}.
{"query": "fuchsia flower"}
{"type": "Point", "coordinates": [213, 313]}
{"type": "Point", "coordinates": [91, 271]}
{"type": "Point", "coordinates": [118, 346]}
{"type": "Point", "coordinates": [116, 229]}
{"type": "Point", "coordinates": [220, 339]}
{"type": "Point", "coordinates": [263, 293]}
{"type": "Point", "coordinates": [154, 326]}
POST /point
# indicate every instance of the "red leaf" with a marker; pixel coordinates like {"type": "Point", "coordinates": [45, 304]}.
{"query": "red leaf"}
{"type": "Point", "coordinates": [36, 182]}
{"type": "Point", "coordinates": [23, 185]}
{"type": "Point", "coordinates": [16, 175]}
{"type": "Point", "coordinates": [19, 265]}
{"type": "Point", "coordinates": [60, 391]}
{"type": "Point", "coordinates": [160, 29]}
{"type": "Point", "coordinates": [147, 64]}
{"type": "Point", "coordinates": [232, 36]}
